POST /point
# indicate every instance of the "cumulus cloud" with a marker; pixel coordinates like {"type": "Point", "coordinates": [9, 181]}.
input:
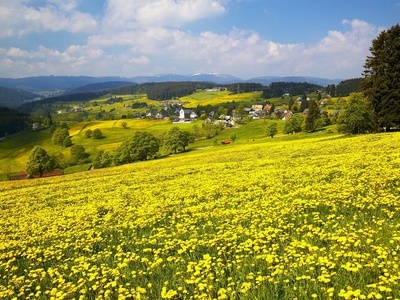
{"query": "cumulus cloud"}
{"type": "Point", "coordinates": [155, 13]}
{"type": "Point", "coordinates": [18, 18]}
{"type": "Point", "coordinates": [341, 51]}
{"type": "Point", "coordinates": [146, 37]}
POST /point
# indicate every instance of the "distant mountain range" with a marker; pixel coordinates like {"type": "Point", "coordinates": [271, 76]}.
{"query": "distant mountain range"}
{"type": "Point", "coordinates": [67, 83]}
{"type": "Point", "coordinates": [14, 92]}
{"type": "Point", "coordinates": [267, 80]}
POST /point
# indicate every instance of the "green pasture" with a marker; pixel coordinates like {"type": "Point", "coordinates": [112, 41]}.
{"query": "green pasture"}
{"type": "Point", "coordinates": [215, 98]}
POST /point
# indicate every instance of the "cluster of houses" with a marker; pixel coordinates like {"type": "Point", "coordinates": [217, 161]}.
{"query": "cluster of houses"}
{"type": "Point", "coordinates": [256, 111]}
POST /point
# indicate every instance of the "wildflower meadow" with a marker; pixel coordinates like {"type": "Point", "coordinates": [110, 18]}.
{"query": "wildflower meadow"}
{"type": "Point", "coordinates": [314, 218]}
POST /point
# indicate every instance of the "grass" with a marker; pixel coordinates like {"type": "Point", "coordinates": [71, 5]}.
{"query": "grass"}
{"type": "Point", "coordinates": [215, 98]}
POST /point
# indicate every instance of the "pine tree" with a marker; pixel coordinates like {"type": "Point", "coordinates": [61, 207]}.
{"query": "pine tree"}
{"type": "Point", "coordinates": [312, 115]}
{"type": "Point", "coordinates": [380, 82]}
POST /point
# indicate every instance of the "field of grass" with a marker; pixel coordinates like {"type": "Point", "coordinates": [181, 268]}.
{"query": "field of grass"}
{"type": "Point", "coordinates": [214, 98]}
{"type": "Point", "coordinates": [307, 218]}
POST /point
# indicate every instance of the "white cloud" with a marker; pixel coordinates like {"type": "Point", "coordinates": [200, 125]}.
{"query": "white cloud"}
{"type": "Point", "coordinates": [18, 18]}
{"type": "Point", "coordinates": [16, 52]}
{"type": "Point", "coordinates": [341, 52]}
{"type": "Point", "coordinates": [176, 13]}
{"type": "Point", "coordinates": [155, 13]}
{"type": "Point", "coordinates": [240, 52]}
{"type": "Point", "coordinates": [145, 37]}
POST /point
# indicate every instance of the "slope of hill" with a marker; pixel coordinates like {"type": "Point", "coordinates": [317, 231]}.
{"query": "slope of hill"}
{"type": "Point", "coordinates": [100, 86]}
{"type": "Point", "coordinates": [249, 221]}
{"type": "Point", "coordinates": [12, 98]}
{"type": "Point", "coordinates": [12, 121]}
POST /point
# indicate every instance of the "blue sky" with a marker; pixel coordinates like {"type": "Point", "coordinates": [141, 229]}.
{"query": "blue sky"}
{"type": "Point", "coordinates": [244, 38]}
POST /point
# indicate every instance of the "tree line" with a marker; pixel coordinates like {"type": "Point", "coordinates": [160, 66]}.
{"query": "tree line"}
{"type": "Point", "coordinates": [244, 87]}
{"type": "Point", "coordinates": [171, 90]}
{"type": "Point", "coordinates": [278, 89]}
{"type": "Point", "coordinates": [344, 88]}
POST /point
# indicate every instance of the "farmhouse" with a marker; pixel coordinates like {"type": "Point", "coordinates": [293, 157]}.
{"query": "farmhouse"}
{"type": "Point", "coordinates": [257, 107]}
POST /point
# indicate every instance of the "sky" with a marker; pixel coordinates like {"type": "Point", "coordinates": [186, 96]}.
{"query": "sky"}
{"type": "Point", "coordinates": [243, 38]}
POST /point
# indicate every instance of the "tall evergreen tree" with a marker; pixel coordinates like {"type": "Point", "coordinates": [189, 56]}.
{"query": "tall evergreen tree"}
{"type": "Point", "coordinates": [380, 82]}
{"type": "Point", "coordinates": [304, 102]}
{"type": "Point", "coordinates": [312, 115]}
{"type": "Point", "coordinates": [331, 90]}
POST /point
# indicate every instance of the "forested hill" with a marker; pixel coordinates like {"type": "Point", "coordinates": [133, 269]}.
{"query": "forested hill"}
{"type": "Point", "coordinates": [14, 97]}
{"type": "Point", "coordinates": [277, 89]}
{"type": "Point", "coordinates": [81, 97]}
{"type": "Point", "coordinates": [100, 86]}
{"type": "Point", "coordinates": [12, 121]}
{"type": "Point", "coordinates": [170, 90]}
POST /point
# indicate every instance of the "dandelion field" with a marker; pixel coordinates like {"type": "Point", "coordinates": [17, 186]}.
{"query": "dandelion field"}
{"type": "Point", "coordinates": [312, 218]}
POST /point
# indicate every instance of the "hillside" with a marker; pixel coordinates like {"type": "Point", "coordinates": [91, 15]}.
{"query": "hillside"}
{"type": "Point", "coordinates": [100, 86]}
{"type": "Point", "coordinates": [109, 113]}
{"type": "Point", "coordinates": [45, 83]}
{"type": "Point", "coordinates": [11, 98]}
{"type": "Point", "coordinates": [309, 218]}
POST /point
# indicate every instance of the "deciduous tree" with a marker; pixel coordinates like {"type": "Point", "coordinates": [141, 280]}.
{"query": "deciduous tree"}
{"type": "Point", "coordinates": [39, 162]}
{"type": "Point", "coordinates": [272, 129]}
{"type": "Point", "coordinates": [59, 135]}
{"type": "Point", "coordinates": [356, 116]}
{"type": "Point", "coordinates": [102, 159]}
{"type": "Point", "coordinates": [293, 124]}
{"type": "Point", "coordinates": [88, 133]}
{"type": "Point", "coordinates": [97, 133]}
{"type": "Point", "coordinates": [141, 146]}
{"type": "Point", "coordinates": [77, 153]}
{"type": "Point", "coordinates": [176, 139]}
